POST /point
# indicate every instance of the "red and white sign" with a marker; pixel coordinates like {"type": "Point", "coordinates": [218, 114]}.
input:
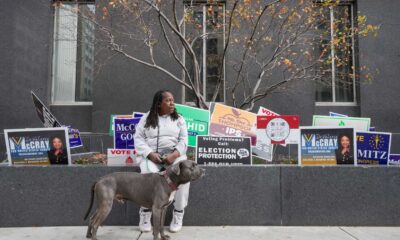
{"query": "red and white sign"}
{"type": "Point", "coordinates": [121, 157]}
{"type": "Point", "coordinates": [278, 129]}
{"type": "Point", "coordinates": [262, 111]}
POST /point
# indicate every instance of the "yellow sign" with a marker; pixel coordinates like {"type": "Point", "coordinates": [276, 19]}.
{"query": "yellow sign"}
{"type": "Point", "coordinates": [229, 121]}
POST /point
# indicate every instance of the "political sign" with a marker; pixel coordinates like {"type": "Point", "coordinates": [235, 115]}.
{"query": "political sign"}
{"type": "Point", "coordinates": [263, 150]}
{"type": "Point", "coordinates": [121, 157]}
{"type": "Point", "coordinates": [282, 129]}
{"type": "Point", "coordinates": [212, 150]}
{"type": "Point", "coordinates": [74, 138]}
{"type": "Point", "coordinates": [197, 121]}
{"type": "Point", "coordinates": [112, 117]}
{"type": "Point", "coordinates": [229, 121]}
{"type": "Point", "coordinates": [49, 120]}
{"type": "Point", "coordinates": [394, 159]}
{"type": "Point", "coordinates": [333, 114]}
{"type": "Point", "coordinates": [37, 146]}
{"type": "Point", "coordinates": [44, 114]}
{"type": "Point", "coordinates": [373, 147]}
{"type": "Point", "coordinates": [124, 131]}
{"type": "Point", "coordinates": [137, 114]}
{"type": "Point", "coordinates": [327, 146]}
{"type": "Point", "coordinates": [262, 111]}
{"type": "Point", "coordinates": [359, 124]}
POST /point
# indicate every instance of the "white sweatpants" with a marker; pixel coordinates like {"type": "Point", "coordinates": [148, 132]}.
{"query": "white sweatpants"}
{"type": "Point", "coordinates": [182, 194]}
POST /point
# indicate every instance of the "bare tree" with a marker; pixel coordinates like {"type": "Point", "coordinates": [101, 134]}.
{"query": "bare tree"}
{"type": "Point", "coordinates": [267, 44]}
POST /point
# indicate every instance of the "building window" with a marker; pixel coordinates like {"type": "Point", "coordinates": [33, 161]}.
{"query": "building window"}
{"type": "Point", "coordinates": [73, 52]}
{"type": "Point", "coordinates": [205, 30]}
{"type": "Point", "coordinates": [338, 81]}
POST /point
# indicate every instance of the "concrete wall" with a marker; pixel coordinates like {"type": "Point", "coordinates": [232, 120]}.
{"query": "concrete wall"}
{"type": "Point", "coordinates": [277, 195]}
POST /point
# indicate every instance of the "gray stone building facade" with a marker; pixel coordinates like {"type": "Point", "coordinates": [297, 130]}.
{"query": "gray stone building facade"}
{"type": "Point", "coordinates": [28, 48]}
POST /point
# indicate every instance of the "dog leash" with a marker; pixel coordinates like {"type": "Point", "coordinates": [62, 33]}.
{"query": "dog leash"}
{"type": "Point", "coordinates": [158, 136]}
{"type": "Point", "coordinates": [139, 235]}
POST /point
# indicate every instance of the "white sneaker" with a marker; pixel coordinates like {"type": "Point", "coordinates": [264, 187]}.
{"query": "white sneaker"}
{"type": "Point", "coordinates": [145, 220]}
{"type": "Point", "coordinates": [176, 223]}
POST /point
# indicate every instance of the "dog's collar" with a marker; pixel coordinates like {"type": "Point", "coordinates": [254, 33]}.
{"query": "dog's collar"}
{"type": "Point", "coordinates": [171, 184]}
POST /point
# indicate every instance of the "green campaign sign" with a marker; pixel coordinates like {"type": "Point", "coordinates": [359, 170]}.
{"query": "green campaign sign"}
{"type": "Point", "coordinates": [197, 121]}
{"type": "Point", "coordinates": [359, 124]}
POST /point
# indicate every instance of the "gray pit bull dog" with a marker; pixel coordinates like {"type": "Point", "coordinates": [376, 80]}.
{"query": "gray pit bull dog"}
{"type": "Point", "coordinates": [152, 190]}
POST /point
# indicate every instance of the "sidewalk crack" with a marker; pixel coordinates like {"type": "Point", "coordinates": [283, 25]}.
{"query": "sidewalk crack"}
{"type": "Point", "coordinates": [351, 235]}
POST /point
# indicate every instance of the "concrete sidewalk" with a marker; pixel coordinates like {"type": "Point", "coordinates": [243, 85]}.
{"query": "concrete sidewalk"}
{"type": "Point", "coordinates": [208, 233]}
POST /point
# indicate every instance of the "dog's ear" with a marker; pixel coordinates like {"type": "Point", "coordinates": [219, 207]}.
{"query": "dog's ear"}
{"type": "Point", "coordinates": [176, 168]}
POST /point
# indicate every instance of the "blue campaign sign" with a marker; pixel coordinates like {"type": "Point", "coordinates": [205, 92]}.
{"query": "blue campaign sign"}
{"type": "Point", "coordinates": [124, 130]}
{"type": "Point", "coordinates": [373, 147]}
{"type": "Point", "coordinates": [333, 114]}
{"type": "Point", "coordinates": [74, 138]}
{"type": "Point", "coordinates": [137, 114]}
{"type": "Point", "coordinates": [394, 159]}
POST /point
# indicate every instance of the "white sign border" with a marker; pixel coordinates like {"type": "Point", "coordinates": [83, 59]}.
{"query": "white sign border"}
{"type": "Point", "coordinates": [325, 127]}
{"type": "Point", "coordinates": [390, 144]}
{"type": "Point", "coordinates": [6, 131]}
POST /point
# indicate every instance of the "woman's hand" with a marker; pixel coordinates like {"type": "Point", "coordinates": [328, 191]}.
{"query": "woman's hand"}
{"type": "Point", "coordinates": [154, 157]}
{"type": "Point", "coordinates": [170, 158]}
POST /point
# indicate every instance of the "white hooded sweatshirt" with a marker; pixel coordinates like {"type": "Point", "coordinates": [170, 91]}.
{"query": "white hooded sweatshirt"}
{"type": "Point", "coordinates": [171, 135]}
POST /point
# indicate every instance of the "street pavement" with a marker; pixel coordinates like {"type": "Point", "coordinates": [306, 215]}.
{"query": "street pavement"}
{"type": "Point", "coordinates": [207, 233]}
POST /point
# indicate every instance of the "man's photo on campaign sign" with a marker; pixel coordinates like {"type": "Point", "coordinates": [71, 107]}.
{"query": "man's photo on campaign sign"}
{"type": "Point", "coordinates": [37, 146]}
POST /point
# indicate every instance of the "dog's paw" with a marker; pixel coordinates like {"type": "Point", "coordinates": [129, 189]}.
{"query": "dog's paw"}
{"type": "Point", "coordinates": [165, 237]}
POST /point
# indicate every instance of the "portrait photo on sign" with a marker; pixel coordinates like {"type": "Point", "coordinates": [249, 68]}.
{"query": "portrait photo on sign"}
{"type": "Point", "coordinates": [38, 146]}
{"type": "Point", "coordinates": [327, 146]}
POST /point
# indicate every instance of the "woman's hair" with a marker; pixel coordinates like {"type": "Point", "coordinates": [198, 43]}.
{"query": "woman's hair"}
{"type": "Point", "coordinates": [54, 137]}
{"type": "Point", "coordinates": [340, 139]}
{"type": "Point", "coordinates": [152, 118]}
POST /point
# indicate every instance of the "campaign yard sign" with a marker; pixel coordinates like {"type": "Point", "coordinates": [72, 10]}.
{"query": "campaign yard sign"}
{"type": "Point", "coordinates": [197, 121]}
{"type": "Point", "coordinates": [262, 111]}
{"type": "Point", "coordinates": [373, 147]}
{"type": "Point", "coordinates": [327, 146]}
{"type": "Point", "coordinates": [33, 146]}
{"type": "Point", "coordinates": [48, 120]}
{"type": "Point", "coordinates": [137, 114]}
{"type": "Point", "coordinates": [121, 157]}
{"type": "Point", "coordinates": [112, 117]}
{"type": "Point", "coordinates": [229, 121]}
{"type": "Point", "coordinates": [212, 150]}
{"type": "Point", "coordinates": [43, 113]}
{"type": "Point", "coordinates": [394, 159]}
{"type": "Point", "coordinates": [333, 114]}
{"type": "Point", "coordinates": [124, 131]}
{"type": "Point", "coordinates": [359, 124]}
{"type": "Point", "coordinates": [74, 138]}
{"type": "Point", "coordinates": [278, 129]}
